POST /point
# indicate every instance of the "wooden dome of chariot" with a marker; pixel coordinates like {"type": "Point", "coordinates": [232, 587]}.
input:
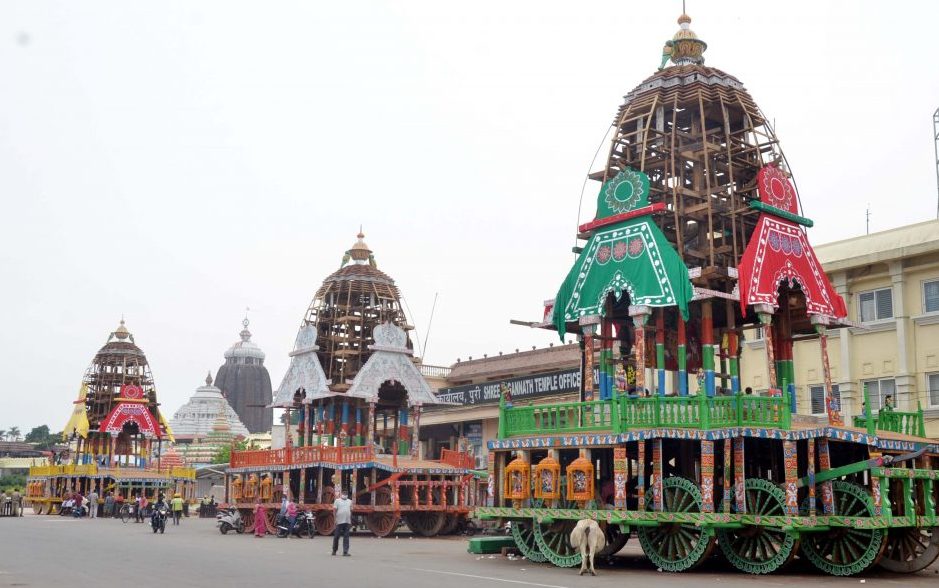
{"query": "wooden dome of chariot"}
{"type": "Point", "coordinates": [701, 139]}
{"type": "Point", "coordinates": [345, 310]}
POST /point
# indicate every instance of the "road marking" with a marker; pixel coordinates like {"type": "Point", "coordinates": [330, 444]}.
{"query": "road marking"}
{"type": "Point", "coordinates": [484, 577]}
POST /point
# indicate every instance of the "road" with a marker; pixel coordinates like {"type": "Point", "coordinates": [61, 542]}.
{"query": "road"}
{"type": "Point", "coordinates": [51, 551]}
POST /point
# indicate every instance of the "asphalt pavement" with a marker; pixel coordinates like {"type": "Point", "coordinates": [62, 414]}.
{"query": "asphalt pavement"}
{"type": "Point", "coordinates": [53, 551]}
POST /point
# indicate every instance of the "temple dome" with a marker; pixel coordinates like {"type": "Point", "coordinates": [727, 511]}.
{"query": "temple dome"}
{"type": "Point", "coordinates": [204, 412]}
{"type": "Point", "coordinates": [245, 348]}
{"type": "Point", "coordinates": [246, 383]}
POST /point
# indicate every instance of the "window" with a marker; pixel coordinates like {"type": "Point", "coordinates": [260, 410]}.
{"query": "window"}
{"type": "Point", "coordinates": [878, 390]}
{"type": "Point", "coordinates": [932, 385]}
{"type": "Point", "coordinates": [931, 296]}
{"type": "Point", "coordinates": [875, 305]}
{"type": "Point", "coordinates": [817, 398]}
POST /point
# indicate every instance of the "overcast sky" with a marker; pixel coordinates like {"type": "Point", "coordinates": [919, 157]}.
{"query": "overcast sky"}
{"type": "Point", "coordinates": [176, 162]}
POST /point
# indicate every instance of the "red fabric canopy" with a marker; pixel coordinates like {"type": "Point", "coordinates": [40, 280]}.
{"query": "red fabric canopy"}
{"type": "Point", "coordinates": [126, 412]}
{"type": "Point", "coordinates": [779, 250]}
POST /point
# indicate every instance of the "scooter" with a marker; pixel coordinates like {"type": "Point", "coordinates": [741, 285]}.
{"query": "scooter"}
{"type": "Point", "coordinates": [229, 519]}
{"type": "Point", "coordinates": [158, 519]}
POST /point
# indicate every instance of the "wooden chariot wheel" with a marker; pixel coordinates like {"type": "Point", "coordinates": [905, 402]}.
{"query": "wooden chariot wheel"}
{"type": "Point", "coordinates": [382, 523]}
{"type": "Point", "coordinates": [325, 520]}
{"type": "Point", "coordinates": [553, 539]}
{"type": "Point", "coordinates": [910, 549]}
{"type": "Point", "coordinates": [271, 516]}
{"type": "Point", "coordinates": [676, 546]}
{"type": "Point", "coordinates": [247, 515]}
{"type": "Point", "coordinates": [425, 523]}
{"type": "Point", "coordinates": [524, 535]}
{"type": "Point", "coordinates": [450, 525]}
{"type": "Point", "coordinates": [757, 549]}
{"type": "Point", "coordinates": [329, 494]}
{"type": "Point", "coordinates": [846, 550]}
{"type": "Point", "coordinates": [616, 539]}
{"type": "Point", "coordinates": [38, 507]}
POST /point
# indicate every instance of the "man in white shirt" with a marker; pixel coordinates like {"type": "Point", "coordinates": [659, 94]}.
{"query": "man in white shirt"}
{"type": "Point", "coordinates": [343, 508]}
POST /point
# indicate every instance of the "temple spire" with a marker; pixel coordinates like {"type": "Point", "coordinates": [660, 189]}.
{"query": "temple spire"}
{"type": "Point", "coordinates": [685, 48]}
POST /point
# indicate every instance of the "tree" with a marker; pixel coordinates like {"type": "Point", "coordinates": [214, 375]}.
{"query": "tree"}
{"type": "Point", "coordinates": [42, 437]}
{"type": "Point", "coordinates": [224, 454]}
{"type": "Point", "coordinates": [37, 434]}
{"type": "Point", "coordinates": [3, 434]}
{"type": "Point", "coordinates": [13, 434]}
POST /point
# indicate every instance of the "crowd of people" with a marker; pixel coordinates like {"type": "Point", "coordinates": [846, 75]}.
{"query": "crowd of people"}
{"type": "Point", "coordinates": [93, 506]}
{"type": "Point", "coordinates": [90, 505]}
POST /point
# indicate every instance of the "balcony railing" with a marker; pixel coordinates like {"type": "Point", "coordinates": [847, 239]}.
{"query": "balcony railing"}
{"type": "Point", "coordinates": [300, 455]}
{"type": "Point", "coordinates": [626, 413]}
{"type": "Point", "coordinates": [457, 459]}
{"type": "Point", "coordinates": [568, 417]}
{"type": "Point", "coordinates": [895, 421]}
{"type": "Point", "coordinates": [90, 469]}
{"type": "Point", "coordinates": [435, 371]}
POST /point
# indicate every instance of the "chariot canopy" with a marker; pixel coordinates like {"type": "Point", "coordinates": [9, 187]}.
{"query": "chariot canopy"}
{"type": "Point", "coordinates": [626, 252]}
{"type": "Point", "coordinates": [305, 372]}
{"type": "Point", "coordinates": [391, 361]}
{"type": "Point", "coordinates": [779, 250]}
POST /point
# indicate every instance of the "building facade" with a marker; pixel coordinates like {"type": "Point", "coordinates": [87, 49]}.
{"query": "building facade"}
{"type": "Point", "coordinates": [890, 284]}
{"type": "Point", "coordinates": [471, 391]}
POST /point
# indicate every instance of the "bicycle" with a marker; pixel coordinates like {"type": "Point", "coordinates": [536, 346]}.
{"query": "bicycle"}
{"type": "Point", "coordinates": [126, 512]}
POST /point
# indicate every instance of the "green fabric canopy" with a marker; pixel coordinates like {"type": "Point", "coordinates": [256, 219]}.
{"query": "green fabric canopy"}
{"type": "Point", "coordinates": [628, 256]}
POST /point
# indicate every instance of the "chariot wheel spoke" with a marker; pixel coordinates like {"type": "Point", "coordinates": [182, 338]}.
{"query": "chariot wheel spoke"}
{"type": "Point", "coordinates": [758, 549]}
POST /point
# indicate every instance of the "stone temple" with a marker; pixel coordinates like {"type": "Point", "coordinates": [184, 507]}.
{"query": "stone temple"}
{"type": "Point", "coordinates": [196, 419]}
{"type": "Point", "coordinates": [246, 384]}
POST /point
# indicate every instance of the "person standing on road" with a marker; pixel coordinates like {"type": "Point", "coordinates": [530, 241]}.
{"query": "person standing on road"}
{"type": "Point", "coordinates": [17, 503]}
{"type": "Point", "coordinates": [92, 504]}
{"type": "Point", "coordinates": [142, 504]}
{"type": "Point", "coordinates": [177, 505]}
{"type": "Point", "coordinates": [343, 508]}
{"type": "Point", "coordinates": [291, 517]}
{"type": "Point", "coordinates": [109, 505]}
{"type": "Point", "coordinates": [260, 526]}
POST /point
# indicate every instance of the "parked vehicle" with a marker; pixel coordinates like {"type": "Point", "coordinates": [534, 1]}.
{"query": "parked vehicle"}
{"type": "Point", "coordinates": [305, 525]}
{"type": "Point", "coordinates": [228, 519]}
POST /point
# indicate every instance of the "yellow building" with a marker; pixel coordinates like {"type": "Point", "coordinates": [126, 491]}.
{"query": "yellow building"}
{"type": "Point", "coordinates": [890, 284]}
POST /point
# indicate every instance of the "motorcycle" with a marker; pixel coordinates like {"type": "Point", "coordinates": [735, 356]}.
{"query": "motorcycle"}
{"type": "Point", "coordinates": [229, 519]}
{"type": "Point", "coordinates": [158, 519]}
{"type": "Point", "coordinates": [306, 523]}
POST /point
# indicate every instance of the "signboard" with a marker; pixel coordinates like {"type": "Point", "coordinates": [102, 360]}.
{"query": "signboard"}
{"type": "Point", "coordinates": [525, 387]}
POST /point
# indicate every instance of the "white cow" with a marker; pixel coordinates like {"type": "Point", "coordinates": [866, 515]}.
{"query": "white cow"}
{"type": "Point", "coordinates": [588, 537]}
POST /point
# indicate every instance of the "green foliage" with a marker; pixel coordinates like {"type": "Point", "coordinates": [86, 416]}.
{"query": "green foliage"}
{"type": "Point", "coordinates": [8, 483]}
{"type": "Point", "coordinates": [37, 434]}
{"type": "Point", "coordinates": [224, 454]}
{"type": "Point", "coordinates": [42, 437]}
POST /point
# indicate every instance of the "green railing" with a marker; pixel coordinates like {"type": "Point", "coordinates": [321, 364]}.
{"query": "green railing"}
{"type": "Point", "coordinates": [625, 413]}
{"type": "Point", "coordinates": [908, 423]}
{"type": "Point", "coordinates": [568, 417]}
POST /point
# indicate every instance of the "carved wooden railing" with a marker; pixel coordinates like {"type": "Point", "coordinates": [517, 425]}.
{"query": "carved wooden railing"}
{"type": "Point", "coordinates": [627, 413]}
{"type": "Point", "coordinates": [300, 455]}
{"type": "Point", "coordinates": [457, 459]}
